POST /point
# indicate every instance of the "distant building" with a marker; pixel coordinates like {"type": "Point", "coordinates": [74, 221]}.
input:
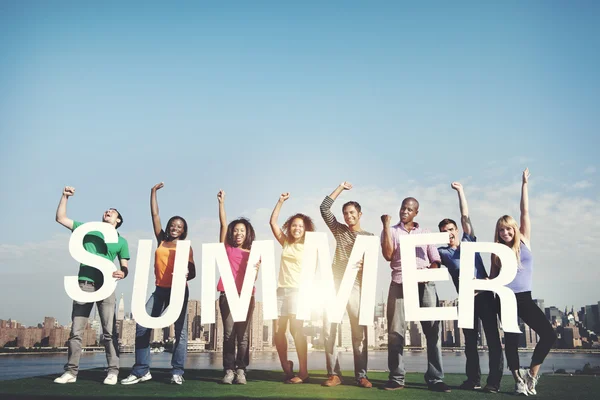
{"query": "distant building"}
{"type": "Point", "coordinates": [121, 309]}
{"type": "Point", "coordinates": [256, 328]}
{"type": "Point", "coordinates": [126, 332]}
{"type": "Point", "coordinates": [592, 319]}
{"type": "Point", "coordinates": [554, 315]}
{"type": "Point", "coordinates": [194, 324]}
{"type": "Point", "coordinates": [29, 337]}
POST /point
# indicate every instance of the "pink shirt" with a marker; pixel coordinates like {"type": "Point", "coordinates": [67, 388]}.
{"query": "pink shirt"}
{"type": "Point", "coordinates": [426, 254]}
{"type": "Point", "coordinates": [238, 259]}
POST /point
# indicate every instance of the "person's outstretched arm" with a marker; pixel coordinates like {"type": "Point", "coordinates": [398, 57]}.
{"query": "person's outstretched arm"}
{"type": "Point", "coordinates": [279, 235]}
{"type": "Point", "coordinates": [158, 231]}
{"type": "Point", "coordinates": [525, 220]}
{"type": "Point", "coordinates": [222, 216]}
{"type": "Point", "coordinates": [465, 220]}
{"type": "Point", "coordinates": [61, 211]}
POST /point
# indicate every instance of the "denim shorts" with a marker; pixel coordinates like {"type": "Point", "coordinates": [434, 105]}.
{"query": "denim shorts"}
{"type": "Point", "coordinates": [287, 300]}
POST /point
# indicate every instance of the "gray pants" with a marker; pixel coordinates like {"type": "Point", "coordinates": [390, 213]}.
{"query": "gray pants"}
{"type": "Point", "coordinates": [81, 313]}
{"type": "Point", "coordinates": [397, 329]}
{"type": "Point", "coordinates": [359, 339]}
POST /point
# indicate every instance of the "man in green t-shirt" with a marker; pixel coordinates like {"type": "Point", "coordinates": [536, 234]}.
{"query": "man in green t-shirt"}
{"type": "Point", "coordinates": [90, 280]}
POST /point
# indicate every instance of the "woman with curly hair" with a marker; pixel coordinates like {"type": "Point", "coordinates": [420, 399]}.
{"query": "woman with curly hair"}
{"type": "Point", "coordinates": [238, 237]}
{"type": "Point", "coordinates": [291, 237]}
{"type": "Point", "coordinates": [518, 239]}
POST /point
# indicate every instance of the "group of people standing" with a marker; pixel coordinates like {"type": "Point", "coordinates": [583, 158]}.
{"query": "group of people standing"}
{"type": "Point", "coordinates": [238, 236]}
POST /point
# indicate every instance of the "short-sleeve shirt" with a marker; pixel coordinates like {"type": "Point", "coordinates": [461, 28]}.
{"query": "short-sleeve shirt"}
{"type": "Point", "coordinates": [291, 264]}
{"type": "Point", "coordinates": [238, 260]}
{"type": "Point", "coordinates": [93, 242]}
{"type": "Point", "coordinates": [426, 254]}
{"type": "Point", "coordinates": [164, 264]}
{"type": "Point", "coordinates": [451, 260]}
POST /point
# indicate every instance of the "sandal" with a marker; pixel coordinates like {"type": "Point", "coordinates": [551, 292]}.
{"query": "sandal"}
{"type": "Point", "coordinates": [296, 379]}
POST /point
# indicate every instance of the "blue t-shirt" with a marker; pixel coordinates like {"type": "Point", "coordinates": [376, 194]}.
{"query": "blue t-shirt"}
{"type": "Point", "coordinates": [451, 260]}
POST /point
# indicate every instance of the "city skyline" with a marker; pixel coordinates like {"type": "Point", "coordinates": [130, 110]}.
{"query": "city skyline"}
{"type": "Point", "coordinates": [575, 329]}
{"type": "Point", "coordinates": [399, 99]}
{"type": "Point", "coordinates": [316, 317]}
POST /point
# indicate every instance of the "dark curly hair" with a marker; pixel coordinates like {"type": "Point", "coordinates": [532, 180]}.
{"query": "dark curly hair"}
{"type": "Point", "coordinates": [185, 228]}
{"type": "Point", "coordinates": [250, 235]}
{"type": "Point", "coordinates": [309, 226]}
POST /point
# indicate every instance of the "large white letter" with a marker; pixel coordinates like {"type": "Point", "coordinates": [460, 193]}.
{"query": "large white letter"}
{"type": "Point", "coordinates": [238, 304]}
{"type": "Point", "coordinates": [315, 243]}
{"type": "Point", "coordinates": [105, 266]}
{"type": "Point", "coordinates": [140, 283]}
{"type": "Point", "coordinates": [468, 285]}
{"type": "Point", "coordinates": [411, 276]}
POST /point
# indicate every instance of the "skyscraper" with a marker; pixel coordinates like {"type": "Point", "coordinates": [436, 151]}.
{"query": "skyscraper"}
{"type": "Point", "coordinates": [194, 326]}
{"type": "Point", "coordinates": [121, 310]}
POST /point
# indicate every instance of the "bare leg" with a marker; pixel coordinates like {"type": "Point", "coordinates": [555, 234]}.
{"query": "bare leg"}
{"type": "Point", "coordinates": [301, 346]}
{"type": "Point", "coordinates": [281, 345]}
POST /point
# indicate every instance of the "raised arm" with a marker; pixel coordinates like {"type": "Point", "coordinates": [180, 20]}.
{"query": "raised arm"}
{"type": "Point", "coordinates": [61, 211]}
{"type": "Point", "coordinates": [326, 213]}
{"type": "Point", "coordinates": [275, 215]}
{"type": "Point", "coordinates": [465, 220]}
{"type": "Point", "coordinates": [158, 232]}
{"type": "Point", "coordinates": [222, 216]}
{"type": "Point", "coordinates": [525, 221]}
{"type": "Point", "coordinates": [387, 245]}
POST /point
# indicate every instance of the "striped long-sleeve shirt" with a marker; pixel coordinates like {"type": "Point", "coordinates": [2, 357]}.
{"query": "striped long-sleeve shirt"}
{"type": "Point", "coordinates": [344, 238]}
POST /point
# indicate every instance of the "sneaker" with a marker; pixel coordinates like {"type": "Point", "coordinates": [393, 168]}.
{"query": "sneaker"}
{"type": "Point", "coordinates": [521, 388]}
{"type": "Point", "coordinates": [364, 382]}
{"type": "Point", "coordinates": [178, 379]}
{"type": "Point", "coordinates": [132, 379]}
{"type": "Point", "coordinates": [333, 380]}
{"type": "Point", "coordinates": [111, 379]}
{"type": "Point", "coordinates": [468, 385]}
{"type": "Point", "coordinates": [530, 381]}
{"type": "Point", "coordinates": [228, 378]}
{"type": "Point", "coordinates": [490, 389]}
{"type": "Point", "coordinates": [67, 377]}
{"type": "Point", "coordinates": [439, 387]}
{"type": "Point", "coordinates": [392, 385]}
{"type": "Point", "coordinates": [240, 376]}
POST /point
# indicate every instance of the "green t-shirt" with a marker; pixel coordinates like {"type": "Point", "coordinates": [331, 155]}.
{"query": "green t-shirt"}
{"type": "Point", "coordinates": [94, 243]}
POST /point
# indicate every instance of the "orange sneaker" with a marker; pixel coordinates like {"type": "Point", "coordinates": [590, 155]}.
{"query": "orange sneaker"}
{"type": "Point", "coordinates": [333, 380]}
{"type": "Point", "coordinates": [364, 382]}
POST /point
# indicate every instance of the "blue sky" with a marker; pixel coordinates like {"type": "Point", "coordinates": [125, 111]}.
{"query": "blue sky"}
{"type": "Point", "coordinates": [399, 98]}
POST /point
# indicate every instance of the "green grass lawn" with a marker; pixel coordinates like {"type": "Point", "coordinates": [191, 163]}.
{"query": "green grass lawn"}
{"type": "Point", "coordinates": [267, 384]}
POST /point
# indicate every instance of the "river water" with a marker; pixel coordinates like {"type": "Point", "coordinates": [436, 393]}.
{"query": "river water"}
{"type": "Point", "coordinates": [27, 365]}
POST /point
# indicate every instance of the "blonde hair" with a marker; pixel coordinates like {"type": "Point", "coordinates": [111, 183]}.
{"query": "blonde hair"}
{"type": "Point", "coordinates": [503, 222]}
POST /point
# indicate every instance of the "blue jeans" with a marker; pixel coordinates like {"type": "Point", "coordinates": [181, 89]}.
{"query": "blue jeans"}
{"type": "Point", "coordinates": [397, 330]}
{"type": "Point", "coordinates": [157, 303]}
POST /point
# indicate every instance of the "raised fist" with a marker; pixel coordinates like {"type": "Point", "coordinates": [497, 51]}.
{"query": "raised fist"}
{"type": "Point", "coordinates": [68, 191]}
{"type": "Point", "coordinates": [456, 186]}
{"type": "Point", "coordinates": [284, 196]}
{"type": "Point", "coordinates": [346, 185]}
